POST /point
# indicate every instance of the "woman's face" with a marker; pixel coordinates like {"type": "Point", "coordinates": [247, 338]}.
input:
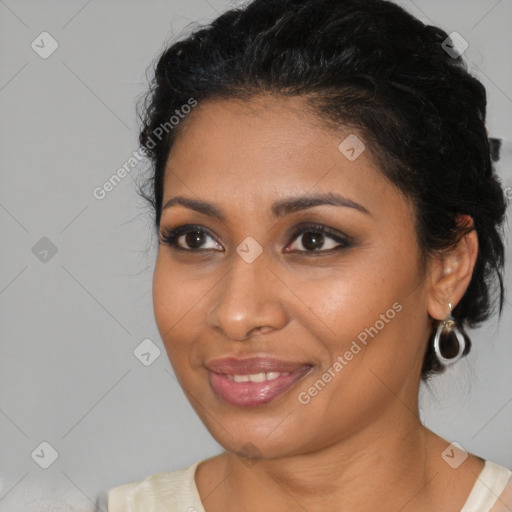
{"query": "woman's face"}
{"type": "Point", "coordinates": [343, 312]}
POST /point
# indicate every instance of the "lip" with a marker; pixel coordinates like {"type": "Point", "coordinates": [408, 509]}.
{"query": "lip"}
{"type": "Point", "coordinates": [254, 364]}
{"type": "Point", "coordinates": [251, 394]}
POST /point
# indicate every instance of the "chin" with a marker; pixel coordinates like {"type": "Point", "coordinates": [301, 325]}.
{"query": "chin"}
{"type": "Point", "coordinates": [257, 438]}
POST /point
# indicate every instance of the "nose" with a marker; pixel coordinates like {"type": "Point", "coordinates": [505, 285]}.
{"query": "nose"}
{"type": "Point", "coordinates": [250, 298]}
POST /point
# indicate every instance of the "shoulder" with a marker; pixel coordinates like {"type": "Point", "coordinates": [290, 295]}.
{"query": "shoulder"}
{"type": "Point", "coordinates": [169, 491]}
{"type": "Point", "coordinates": [503, 487]}
{"type": "Point", "coordinates": [492, 491]}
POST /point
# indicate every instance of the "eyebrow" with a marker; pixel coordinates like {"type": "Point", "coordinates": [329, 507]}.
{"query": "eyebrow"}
{"type": "Point", "coordinates": [279, 208]}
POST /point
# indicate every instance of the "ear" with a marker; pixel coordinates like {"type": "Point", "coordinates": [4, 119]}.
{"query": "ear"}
{"type": "Point", "coordinates": [451, 271]}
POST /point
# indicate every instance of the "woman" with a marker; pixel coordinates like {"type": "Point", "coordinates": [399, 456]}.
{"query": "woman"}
{"type": "Point", "coordinates": [329, 224]}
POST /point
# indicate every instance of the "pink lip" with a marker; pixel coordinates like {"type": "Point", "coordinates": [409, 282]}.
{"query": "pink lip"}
{"type": "Point", "coordinates": [255, 364]}
{"type": "Point", "coordinates": [250, 394]}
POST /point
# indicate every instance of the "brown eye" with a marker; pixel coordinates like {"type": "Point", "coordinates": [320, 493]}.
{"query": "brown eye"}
{"type": "Point", "coordinates": [192, 238]}
{"type": "Point", "coordinates": [318, 239]}
{"type": "Point", "coordinates": [314, 241]}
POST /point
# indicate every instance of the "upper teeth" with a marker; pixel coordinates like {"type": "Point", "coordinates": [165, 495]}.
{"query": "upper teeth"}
{"type": "Point", "coordinates": [256, 377]}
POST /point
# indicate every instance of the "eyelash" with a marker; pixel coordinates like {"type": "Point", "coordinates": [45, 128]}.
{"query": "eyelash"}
{"type": "Point", "coordinates": [170, 236]}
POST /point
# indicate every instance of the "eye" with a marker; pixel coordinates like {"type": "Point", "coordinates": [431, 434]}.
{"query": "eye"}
{"type": "Point", "coordinates": [193, 238]}
{"type": "Point", "coordinates": [313, 237]}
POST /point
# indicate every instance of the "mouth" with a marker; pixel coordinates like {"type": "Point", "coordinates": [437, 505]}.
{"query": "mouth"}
{"type": "Point", "coordinates": [255, 381]}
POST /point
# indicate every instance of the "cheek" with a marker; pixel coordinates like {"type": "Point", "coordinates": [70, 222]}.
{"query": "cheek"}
{"type": "Point", "coordinates": [364, 312]}
{"type": "Point", "coordinates": [174, 300]}
{"type": "Point", "coordinates": [338, 304]}
{"type": "Point", "coordinates": [162, 297]}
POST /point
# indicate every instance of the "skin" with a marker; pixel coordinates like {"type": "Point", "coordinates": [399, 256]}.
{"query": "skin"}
{"type": "Point", "coordinates": [358, 444]}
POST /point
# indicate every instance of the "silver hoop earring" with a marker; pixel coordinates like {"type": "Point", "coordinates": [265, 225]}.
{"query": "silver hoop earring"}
{"type": "Point", "coordinates": [446, 330]}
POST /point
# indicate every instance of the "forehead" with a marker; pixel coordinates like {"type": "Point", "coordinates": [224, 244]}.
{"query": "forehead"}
{"type": "Point", "coordinates": [264, 149]}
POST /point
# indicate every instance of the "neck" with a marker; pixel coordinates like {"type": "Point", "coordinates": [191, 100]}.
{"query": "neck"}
{"type": "Point", "coordinates": [382, 467]}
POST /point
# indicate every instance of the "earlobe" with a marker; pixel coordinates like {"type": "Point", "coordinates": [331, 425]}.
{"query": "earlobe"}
{"type": "Point", "coordinates": [451, 271]}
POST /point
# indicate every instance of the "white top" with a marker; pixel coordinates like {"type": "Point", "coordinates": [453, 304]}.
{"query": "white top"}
{"type": "Point", "coordinates": [176, 491]}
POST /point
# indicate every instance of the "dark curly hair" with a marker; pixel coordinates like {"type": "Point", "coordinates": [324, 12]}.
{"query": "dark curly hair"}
{"type": "Point", "coordinates": [364, 64]}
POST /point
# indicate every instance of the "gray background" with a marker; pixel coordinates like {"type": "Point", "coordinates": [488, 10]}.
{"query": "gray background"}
{"type": "Point", "coordinates": [70, 323]}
